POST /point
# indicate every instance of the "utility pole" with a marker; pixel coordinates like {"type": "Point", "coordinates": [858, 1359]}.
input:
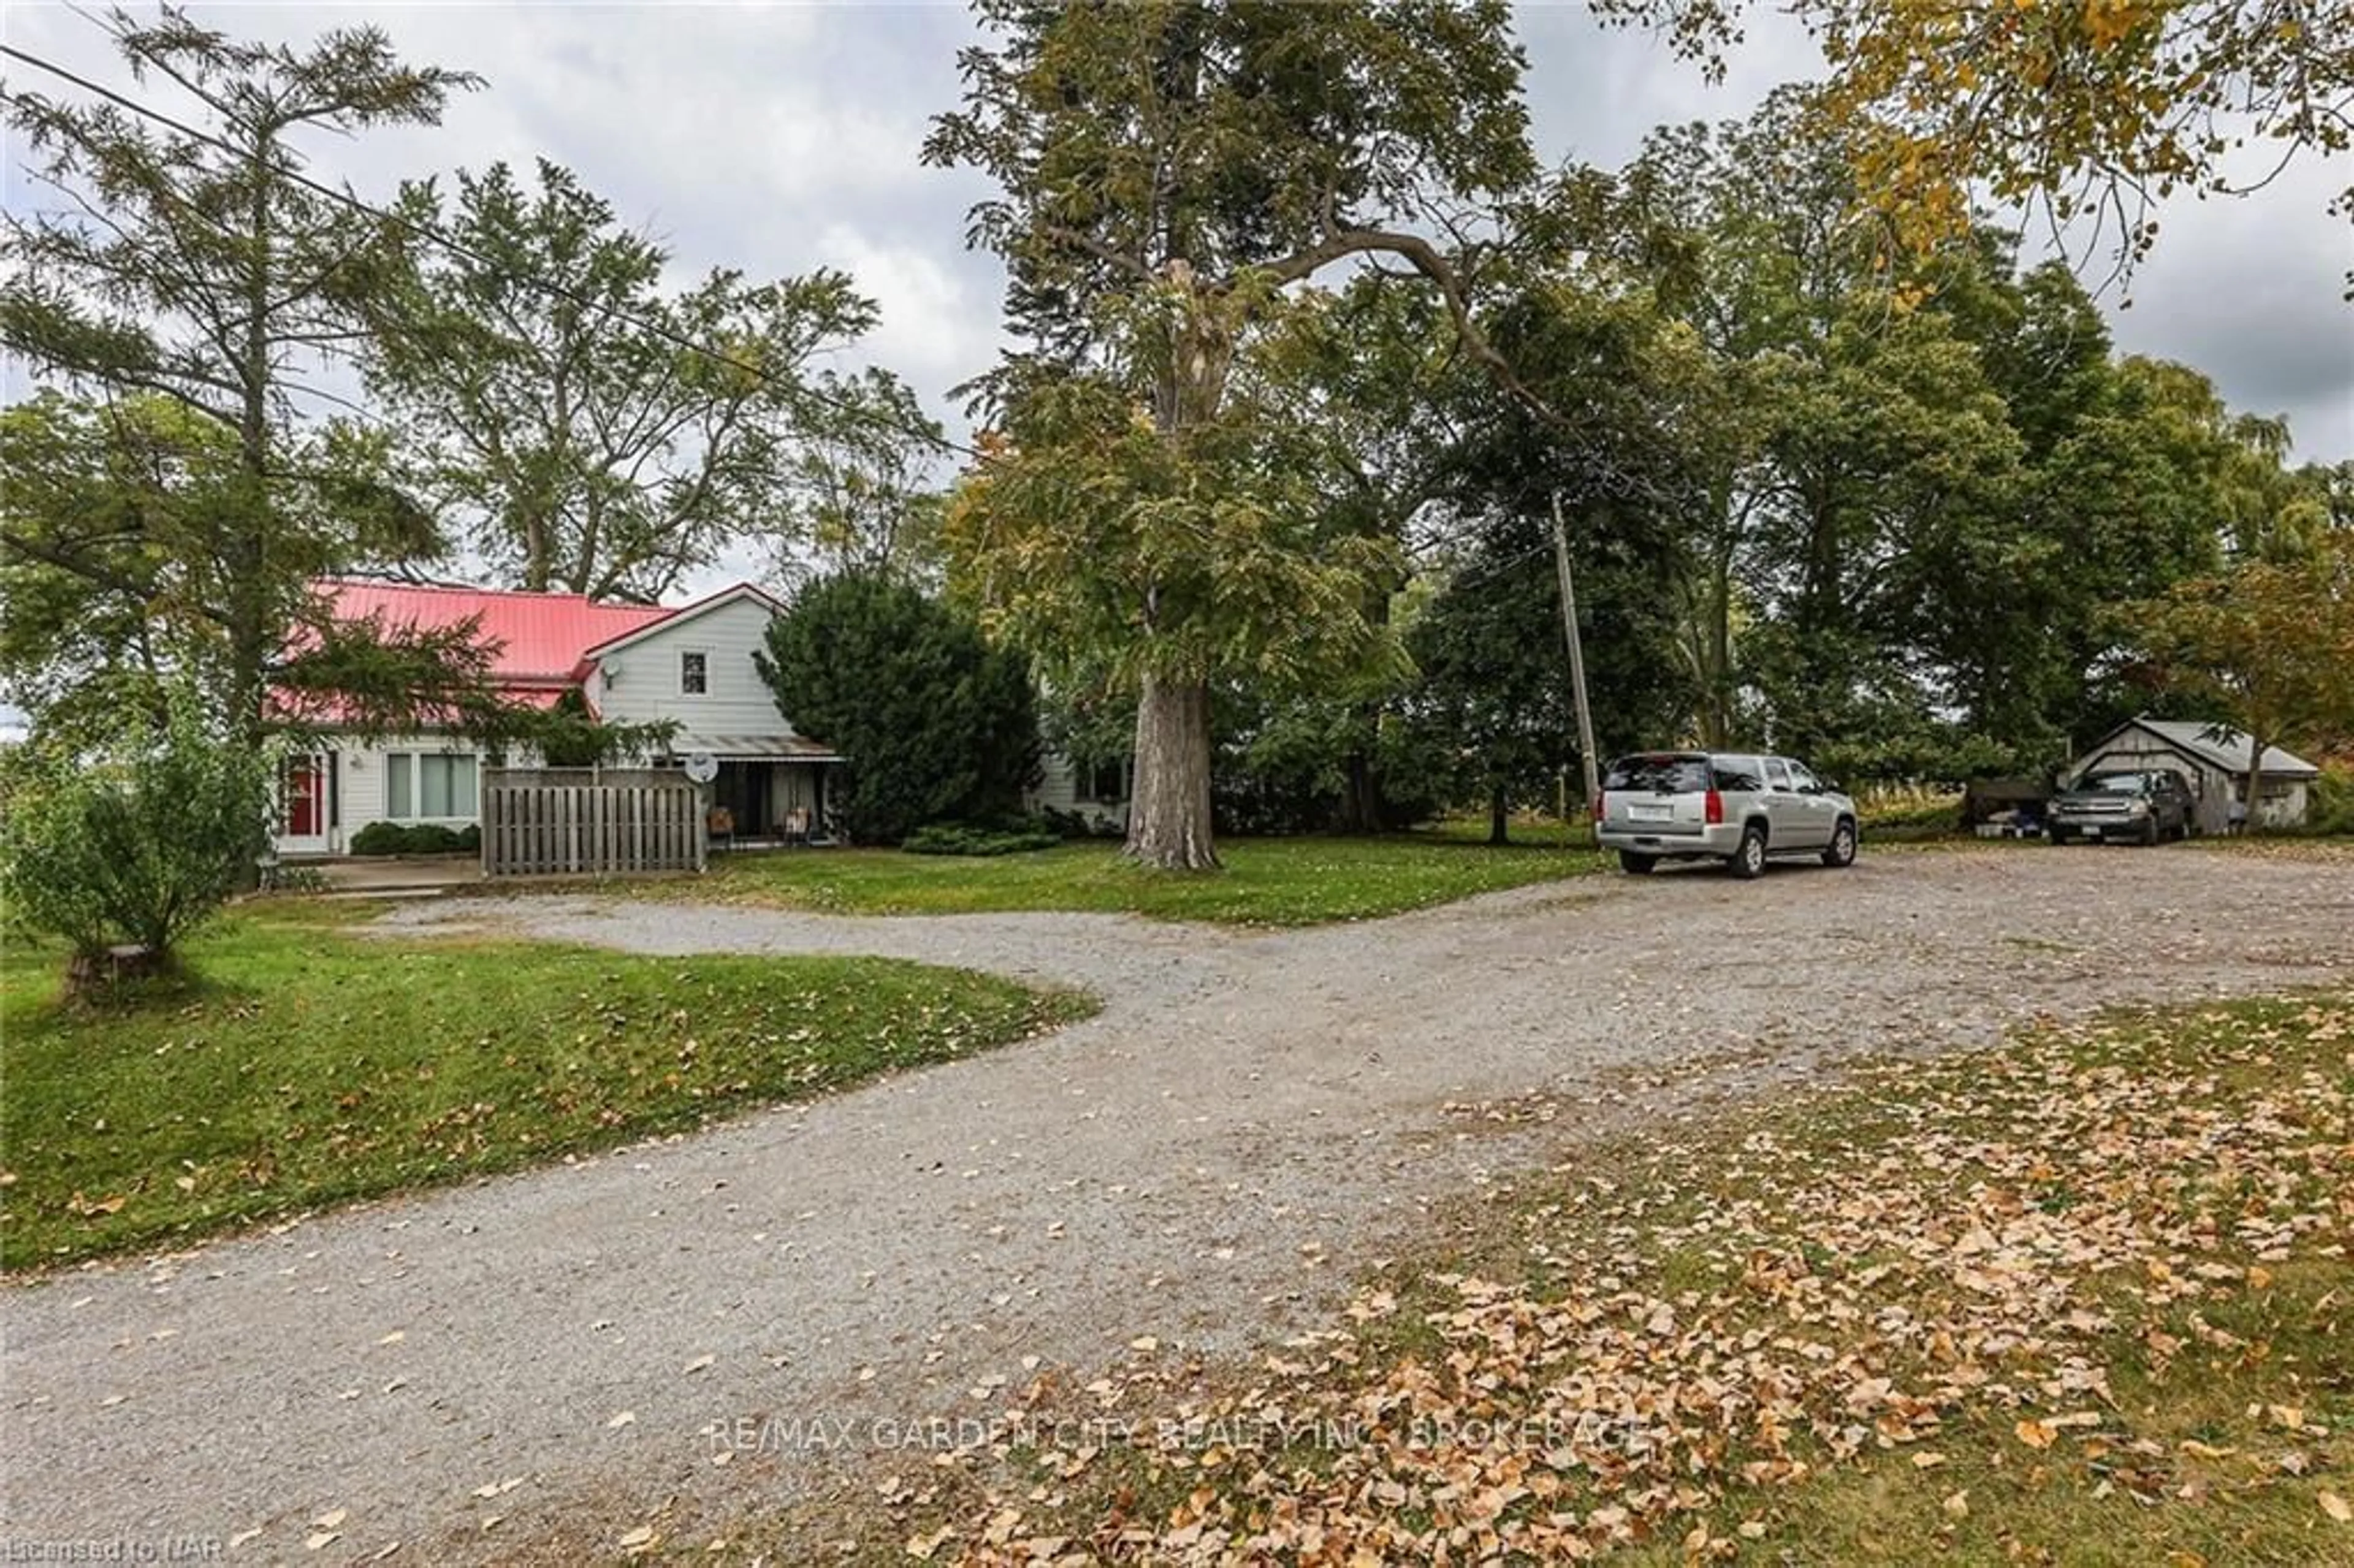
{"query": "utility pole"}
{"type": "Point", "coordinates": [1576, 655]}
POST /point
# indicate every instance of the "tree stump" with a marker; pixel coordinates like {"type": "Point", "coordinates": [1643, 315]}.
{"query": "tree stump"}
{"type": "Point", "coordinates": [90, 972]}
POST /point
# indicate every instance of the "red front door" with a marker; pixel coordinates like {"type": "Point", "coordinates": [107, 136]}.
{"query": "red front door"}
{"type": "Point", "coordinates": [306, 798]}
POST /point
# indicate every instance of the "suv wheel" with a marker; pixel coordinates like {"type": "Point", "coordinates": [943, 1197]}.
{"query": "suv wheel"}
{"type": "Point", "coordinates": [1840, 850]}
{"type": "Point", "coordinates": [1749, 860]}
{"type": "Point", "coordinates": [1635, 865]}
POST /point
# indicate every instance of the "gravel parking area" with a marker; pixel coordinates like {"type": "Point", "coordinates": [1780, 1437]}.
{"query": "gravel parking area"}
{"type": "Point", "coordinates": [1201, 1162]}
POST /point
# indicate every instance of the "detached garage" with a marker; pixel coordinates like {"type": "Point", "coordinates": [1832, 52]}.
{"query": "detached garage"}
{"type": "Point", "coordinates": [2215, 760]}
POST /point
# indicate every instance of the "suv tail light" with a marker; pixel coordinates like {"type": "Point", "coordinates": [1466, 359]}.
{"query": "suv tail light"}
{"type": "Point", "coordinates": [1715, 807]}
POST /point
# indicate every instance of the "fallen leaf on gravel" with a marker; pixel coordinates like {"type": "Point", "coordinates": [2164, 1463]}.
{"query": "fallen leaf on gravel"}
{"type": "Point", "coordinates": [637, 1539]}
{"type": "Point", "coordinates": [328, 1521]}
{"type": "Point", "coordinates": [620, 1418]}
{"type": "Point", "coordinates": [498, 1488]}
{"type": "Point", "coordinates": [393, 1338]}
{"type": "Point", "coordinates": [696, 1365]}
{"type": "Point", "coordinates": [387, 1550]}
{"type": "Point", "coordinates": [242, 1536]}
{"type": "Point", "coordinates": [322, 1538]}
{"type": "Point", "coordinates": [2029, 1216]}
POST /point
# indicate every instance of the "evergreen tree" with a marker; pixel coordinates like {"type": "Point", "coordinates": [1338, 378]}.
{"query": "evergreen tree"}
{"type": "Point", "coordinates": [934, 724]}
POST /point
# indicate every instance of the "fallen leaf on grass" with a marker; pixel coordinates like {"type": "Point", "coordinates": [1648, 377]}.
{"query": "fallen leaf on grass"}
{"type": "Point", "coordinates": [2335, 1507]}
{"type": "Point", "coordinates": [1958, 1506]}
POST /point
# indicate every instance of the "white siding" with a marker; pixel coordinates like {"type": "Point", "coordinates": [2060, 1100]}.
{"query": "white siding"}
{"type": "Point", "coordinates": [360, 772]}
{"type": "Point", "coordinates": [640, 683]}
{"type": "Point", "coordinates": [1061, 787]}
{"type": "Point", "coordinates": [1057, 786]}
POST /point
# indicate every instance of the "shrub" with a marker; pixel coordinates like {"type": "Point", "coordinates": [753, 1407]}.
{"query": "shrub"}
{"type": "Point", "coordinates": [432, 838]}
{"type": "Point", "coordinates": [2330, 802]}
{"type": "Point", "coordinates": [1015, 837]}
{"type": "Point", "coordinates": [135, 840]}
{"type": "Point", "coordinates": [1077, 824]}
{"type": "Point", "coordinates": [381, 838]}
{"type": "Point", "coordinates": [416, 838]}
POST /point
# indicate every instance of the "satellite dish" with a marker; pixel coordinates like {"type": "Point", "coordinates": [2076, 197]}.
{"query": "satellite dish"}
{"type": "Point", "coordinates": [702, 767]}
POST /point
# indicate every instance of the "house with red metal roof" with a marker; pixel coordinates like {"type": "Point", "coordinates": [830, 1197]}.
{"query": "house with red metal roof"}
{"type": "Point", "coordinates": [689, 665]}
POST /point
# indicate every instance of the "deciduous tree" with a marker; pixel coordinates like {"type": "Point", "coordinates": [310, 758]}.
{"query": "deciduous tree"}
{"type": "Point", "coordinates": [600, 432]}
{"type": "Point", "coordinates": [1167, 170]}
{"type": "Point", "coordinates": [2090, 107]}
{"type": "Point", "coordinates": [2264, 645]}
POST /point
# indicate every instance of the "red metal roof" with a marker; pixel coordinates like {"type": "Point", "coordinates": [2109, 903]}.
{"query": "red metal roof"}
{"type": "Point", "coordinates": [537, 637]}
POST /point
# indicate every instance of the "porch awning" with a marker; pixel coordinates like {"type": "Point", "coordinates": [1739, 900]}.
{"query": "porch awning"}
{"type": "Point", "coordinates": [754, 748]}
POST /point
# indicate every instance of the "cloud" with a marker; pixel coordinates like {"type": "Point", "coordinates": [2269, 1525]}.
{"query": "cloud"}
{"type": "Point", "coordinates": [778, 138]}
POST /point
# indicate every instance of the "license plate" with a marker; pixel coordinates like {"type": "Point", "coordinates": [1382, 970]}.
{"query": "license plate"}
{"type": "Point", "coordinates": [2093, 834]}
{"type": "Point", "coordinates": [1652, 813]}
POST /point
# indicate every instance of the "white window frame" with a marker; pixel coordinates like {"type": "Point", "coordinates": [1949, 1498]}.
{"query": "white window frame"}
{"type": "Point", "coordinates": [412, 765]}
{"type": "Point", "coordinates": [683, 655]}
{"type": "Point", "coordinates": [1082, 792]}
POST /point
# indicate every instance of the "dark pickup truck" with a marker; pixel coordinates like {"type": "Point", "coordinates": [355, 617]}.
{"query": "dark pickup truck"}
{"type": "Point", "coordinates": [2123, 807]}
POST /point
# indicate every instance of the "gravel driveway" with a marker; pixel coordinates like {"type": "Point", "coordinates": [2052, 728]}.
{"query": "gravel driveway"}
{"type": "Point", "coordinates": [1202, 1162]}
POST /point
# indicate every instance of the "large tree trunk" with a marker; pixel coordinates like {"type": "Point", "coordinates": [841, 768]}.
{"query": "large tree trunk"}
{"type": "Point", "coordinates": [1363, 807]}
{"type": "Point", "coordinates": [1169, 820]}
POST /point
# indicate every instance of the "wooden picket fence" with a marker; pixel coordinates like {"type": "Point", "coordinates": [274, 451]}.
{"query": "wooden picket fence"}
{"type": "Point", "coordinates": [582, 822]}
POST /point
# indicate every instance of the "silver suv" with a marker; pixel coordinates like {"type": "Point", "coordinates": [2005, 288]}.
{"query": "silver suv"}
{"type": "Point", "coordinates": [1733, 807]}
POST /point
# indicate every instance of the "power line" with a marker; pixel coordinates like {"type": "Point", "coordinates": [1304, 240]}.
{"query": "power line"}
{"type": "Point", "coordinates": [459, 248]}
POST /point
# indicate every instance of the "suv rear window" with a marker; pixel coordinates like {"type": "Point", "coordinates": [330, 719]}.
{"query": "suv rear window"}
{"type": "Point", "coordinates": [1660, 775]}
{"type": "Point", "coordinates": [1741, 775]}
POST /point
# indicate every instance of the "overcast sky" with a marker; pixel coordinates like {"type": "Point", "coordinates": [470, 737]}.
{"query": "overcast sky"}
{"type": "Point", "coordinates": [780, 138]}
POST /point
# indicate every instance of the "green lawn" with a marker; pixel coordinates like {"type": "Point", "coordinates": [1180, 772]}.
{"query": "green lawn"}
{"type": "Point", "coordinates": [300, 1065]}
{"type": "Point", "coordinates": [1267, 882]}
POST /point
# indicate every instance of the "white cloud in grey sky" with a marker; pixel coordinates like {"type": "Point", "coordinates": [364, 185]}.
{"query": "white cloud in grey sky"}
{"type": "Point", "coordinates": [780, 138]}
